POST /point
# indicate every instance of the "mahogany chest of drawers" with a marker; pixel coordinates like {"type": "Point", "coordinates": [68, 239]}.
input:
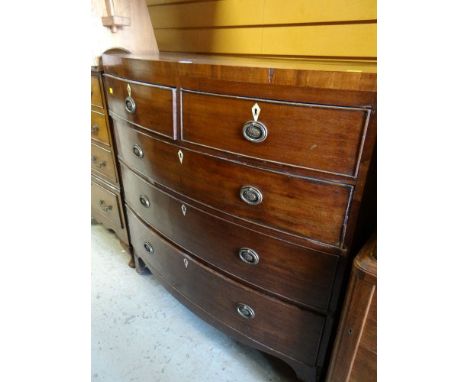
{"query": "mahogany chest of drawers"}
{"type": "Point", "coordinates": [243, 184]}
{"type": "Point", "coordinates": [106, 201]}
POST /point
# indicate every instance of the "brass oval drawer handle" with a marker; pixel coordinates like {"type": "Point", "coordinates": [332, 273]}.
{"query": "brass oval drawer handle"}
{"type": "Point", "coordinates": [249, 256]}
{"type": "Point", "coordinates": [104, 207]}
{"type": "Point", "coordinates": [245, 311]}
{"type": "Point", "coordinates": [148, 247]}
{"type": "Point", "coordinates": [144, 201]}
{"type": "Point", "coordinates": [94, 129]}
{"type": "Point", "coordinates": [102, 164]}
{"type": "Point", "coordinates": [254, 131]}
{"type": "Point", "coordinates": [138, 151]}
{"type": "Point", "coordinates": [130, 105]}
{"type": "Point", "coordinates": [251, 195]}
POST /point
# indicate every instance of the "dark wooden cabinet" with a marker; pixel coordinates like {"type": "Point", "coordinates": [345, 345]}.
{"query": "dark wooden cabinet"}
{"type": "Point", "coordinates": [243, 184]}
{"type": "Point", "coordinates": [106, 199]}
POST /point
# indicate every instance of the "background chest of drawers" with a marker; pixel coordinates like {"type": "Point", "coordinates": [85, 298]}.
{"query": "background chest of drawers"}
{"type": "Point", "coordinates": [244, 182]}
{"type": "Point", "coordinates": [106, 201]}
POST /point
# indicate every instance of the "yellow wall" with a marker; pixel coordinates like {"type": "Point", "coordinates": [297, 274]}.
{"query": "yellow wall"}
{"type": "Point", "coordinates": [311, 28]}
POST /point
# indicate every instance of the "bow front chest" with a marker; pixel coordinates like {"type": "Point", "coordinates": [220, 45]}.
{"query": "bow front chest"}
{"type": "Point", "coordinates": [244, 188]}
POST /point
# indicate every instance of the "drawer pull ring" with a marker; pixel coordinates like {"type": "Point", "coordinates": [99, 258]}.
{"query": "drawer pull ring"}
{"type": "Point", "coordinates": [254, 131]}
{"type": "Point", "coordinates": [103, 206]}
{"type": "Point", "coordinates": [94, 129]}
{"type": "Point", "coordinates": [251, 195]}
{"type": "Point", "coordinates": [245, 311]}
{"type": "Point", "coordinates": [148, 247]}
{"type": "Point", "coordinates": [144, 201]}
{"type": "Point", "coordinates": [249, 256]}
{"type": "Point", "coordinates": [130, 105]}
{"type": "Point", "coordinates": [138, 151]}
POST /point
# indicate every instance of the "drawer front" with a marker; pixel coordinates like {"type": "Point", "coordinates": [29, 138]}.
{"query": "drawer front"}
{"type": "Point", "coordinates": [96, 96]}
{"type": "Point", "coordinates": [325, 139]}
{"type": "Point", "coordinates": [99, 130]}
{"type": "Point", "coordinates": [103, 162]}
{"type": "Point", "coordinates": [306, 276]}
{"type": "Point", "coordinates": [148, 106]}
{"type": "Point", "coordinates": [280, 326]}
{"type": "Point", "coordinates": [105, 203]}
{"type": "Point", "coordinates": [302, 207]}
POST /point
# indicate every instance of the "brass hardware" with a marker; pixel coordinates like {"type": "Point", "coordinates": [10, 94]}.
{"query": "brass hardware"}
{"type": "Point", "coordinates": [138, 151]}
{"type": "Point", "coordinates": [102, 164]}
{"type": "Point", "coordinates": [245, 311]}
{"type": "Point", "coordinates": [94, 129]}
{"type": "Point", "coordinates": [254, 131]}
{"type": "Point", "coordinates": [148, 247]}
{"type": "Point", "coordinates": [185, 262]}
{"type": "Point", "coordinates": [130, 105]}
{"type": "Point", "coordinates": [93, 158]}
{"type": "Point", "coordinates": [180, 154]}
{"type": "Point", "coordinates": [103, 206]}
{"type": "Point", "coordinates": [249, 256]}
{"type": "Point", "coordinates": [184, 209]}
{"type": "Point", "coordinates": [144, 201]}
{"type": "Point", "coordinates": [251, 195]}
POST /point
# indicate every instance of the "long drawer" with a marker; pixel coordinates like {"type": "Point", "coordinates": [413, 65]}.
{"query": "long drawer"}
{"type": "Point", "coordinates": [287, 270]}
{"type": "Point", "coordinates": [280, 326]}
{"type": "Point", "coordinates": [303, 207]}
{"type": "Point", "coordinates": [151, 107]}
{"type": "Point", "coordinates": [305, 135]}
{"type": "Point", "coordinates": [102, 162]}
{"type": "Point", "coordinates": [96, 96]}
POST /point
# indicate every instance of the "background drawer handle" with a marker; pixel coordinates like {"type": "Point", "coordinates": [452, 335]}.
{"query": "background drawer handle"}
{"type": "Point", "coordinates": [249, 256]}
{"type": "Point", "coordinates": [94, 129]}
{"type": "Point", "coordinates": [138, 151]}
{"type": "Point", "coordinates": [144, 201]}
{"type": "Point", "coordinates": [102, 164]}
{"type": "Point", "coordinates": [254, 131]}
{"type": "Point", "coordinates": [104, 207]}
{"type": "Point", "coordinates": [245, 311]}
{"type": "Point", "coordinates": [130, 105]}
{"type": "Point", "coordinates": [251, 195]}
{"type": "Point", "coordinates": [148, 247]}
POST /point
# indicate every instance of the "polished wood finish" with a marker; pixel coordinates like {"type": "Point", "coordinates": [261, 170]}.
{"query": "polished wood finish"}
{"type": "Point", "coordinates": [288, 271]}
{"type": "Point", "coordinates": [154, 105]}
{"type": "Point", "coordinates": [310, 208]}
{"type": "Point", "coordinates": [106, 200]}
{"type": "Point", "coordinates": [197, 283]}
{"type": "Point", "coordinates": [184, 190]}
{"type": "Point", "coordinates": [99, 129]}
{"type": "Point", "coordinates": [355, 350]}
{"type": "Point", "coordinates": [305, 135]}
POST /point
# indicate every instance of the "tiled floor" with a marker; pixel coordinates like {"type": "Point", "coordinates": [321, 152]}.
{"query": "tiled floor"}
{"type": "Point", "coordinates": [141, 333]}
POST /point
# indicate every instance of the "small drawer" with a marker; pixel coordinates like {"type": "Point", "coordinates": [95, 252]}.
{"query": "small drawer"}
{"type": "Point", "coordinates": [106, 204]}
{"type": "Point", "coordinates": [306, 276]}
{"type": "Point", "coordinates": [96, 96]}
{"type": "Point", "coordinates": [280, 326]}
{"type": "Point", "coordinates": [99, 130]}
{"type": "Point", "coordinates": [304, 135]}
{"type": "Point", "coordinates": [149, 106]}
{"type": "Point", "coordinates": [103, 162]}
{"type": "Point", "coordinates": [306, 207]}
